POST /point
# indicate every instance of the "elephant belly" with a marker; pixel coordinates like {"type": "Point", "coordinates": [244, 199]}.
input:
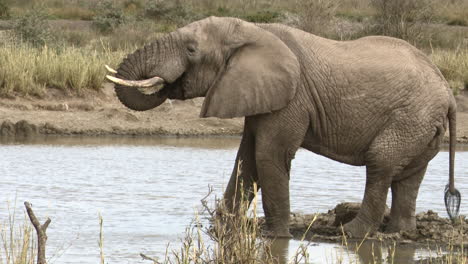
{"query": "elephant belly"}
{"type": "Point", "coordinates": [348, 157]}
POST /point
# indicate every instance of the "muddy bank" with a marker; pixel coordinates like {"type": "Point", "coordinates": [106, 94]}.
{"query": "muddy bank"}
{"type": "Point", "coordinates": [101, 114]}
{"type": "Point", "coordinates": [431, 228]}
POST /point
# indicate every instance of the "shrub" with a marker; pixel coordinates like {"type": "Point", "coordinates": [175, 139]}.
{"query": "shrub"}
{"type": "Point", "coordinates": [4, 9]}
{"type": "Point", "coordinates": [133, 5]}
{"type": "Point", "coordinates": [157, 9]}
{"type": "Point", "coordinates": [33, 27]}
{"type": "Point", "coordinates": [109, 17]}
{"type": "Point", "coordinates": [133, 35]}
{"type": "Point", "coordinates": [317, 16]}
{"type": "Point", "coordinates": [262, 17]}
{"type": "Point", "coordinates": [402, 18]}
{"type": "Point", "coordinates": [170, 11]}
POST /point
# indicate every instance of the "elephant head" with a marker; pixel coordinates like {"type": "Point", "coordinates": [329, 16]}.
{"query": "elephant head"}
{"type": "Point", "coordinates": [240, 69]}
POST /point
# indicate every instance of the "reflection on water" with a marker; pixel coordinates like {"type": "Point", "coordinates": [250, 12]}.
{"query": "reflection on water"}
{"type": "Point", "coordinates": [196, 142]}
{"type": "Point", "coordinates": [147, 190]}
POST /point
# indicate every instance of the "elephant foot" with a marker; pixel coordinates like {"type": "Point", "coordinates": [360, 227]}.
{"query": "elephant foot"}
{"type": "Point", "coordinates": [275, 233]}
{"type": "Point", "coordinates": [398, 224]}
{"type": "Point", "coordinates": [358, 228]}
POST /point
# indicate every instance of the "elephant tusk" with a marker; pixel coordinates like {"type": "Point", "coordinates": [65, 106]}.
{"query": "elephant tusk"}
{"type": "Point", "coordinates": [155, 81]}
{"type": "Point", "coordinates": [109, 69]}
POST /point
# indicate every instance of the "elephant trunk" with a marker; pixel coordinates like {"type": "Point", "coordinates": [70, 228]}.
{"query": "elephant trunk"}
{"type": "Point", "coordinates": [160, 61]}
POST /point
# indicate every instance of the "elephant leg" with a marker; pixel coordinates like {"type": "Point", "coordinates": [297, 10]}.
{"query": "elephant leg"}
{"type": "Point", "coordinates": [243, 175]}
{"type": "Point", "coordinates": [390, 152]}
{"type": "Point", "coordinates": [404, 194]}
{"type": "Point", "coordinates": [372, 209]}
{"type": "Point", "coordinates": [274, 154]}
{"type": "Point", "coordinates": [405, 187]}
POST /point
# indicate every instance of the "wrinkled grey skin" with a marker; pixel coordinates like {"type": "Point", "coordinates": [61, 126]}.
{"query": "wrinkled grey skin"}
{"type": "Point", "coordinates": [376, 102]}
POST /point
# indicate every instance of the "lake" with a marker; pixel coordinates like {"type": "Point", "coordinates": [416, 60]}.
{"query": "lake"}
{"type": "Point", "coordinates": [149, 189]}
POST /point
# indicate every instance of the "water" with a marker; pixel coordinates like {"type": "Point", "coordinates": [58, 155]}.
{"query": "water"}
{"type": "Point", "coordinates": [147, 191]}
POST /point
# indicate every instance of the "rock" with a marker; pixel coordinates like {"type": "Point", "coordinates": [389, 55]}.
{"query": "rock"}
{"type": "Point", "coordinates": [7, 129]}
{"type": "Point", "coordinates": [23, 129]}
{"type": "Point", "coordinates": [345, 212]}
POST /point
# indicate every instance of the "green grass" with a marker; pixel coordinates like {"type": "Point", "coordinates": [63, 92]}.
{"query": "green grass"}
{"type": "Point", "coordinates": [30, 70]}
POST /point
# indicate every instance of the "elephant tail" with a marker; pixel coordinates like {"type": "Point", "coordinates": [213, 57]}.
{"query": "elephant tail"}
{"type": "Point", "coordinates": [452, 196]}
{"type": "Point", "coordinates": [452, 119]}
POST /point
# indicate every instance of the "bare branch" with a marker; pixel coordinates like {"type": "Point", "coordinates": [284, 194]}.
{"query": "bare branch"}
{"type": "Point", "coordinates": [41, 233]}
{"type": "Point", "coordinates": [145, 257]}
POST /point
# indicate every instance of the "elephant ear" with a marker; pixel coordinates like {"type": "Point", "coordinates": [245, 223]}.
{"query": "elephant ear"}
{"type": "Point", "coordinates": [260, 76]}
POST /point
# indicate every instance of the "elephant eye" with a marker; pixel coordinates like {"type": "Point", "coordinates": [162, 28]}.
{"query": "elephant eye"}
{"type": "Point", "coordinates": [191, 49]}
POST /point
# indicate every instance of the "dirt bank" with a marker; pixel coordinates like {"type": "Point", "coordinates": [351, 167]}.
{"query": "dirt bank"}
{"type": "Point", "coordinates": [101, 114]}
{"type": "Point", "coordinates": [431, 228]}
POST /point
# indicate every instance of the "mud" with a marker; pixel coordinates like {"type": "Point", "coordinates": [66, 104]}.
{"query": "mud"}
{"type": "Point", "coordinates": [430, 227]}
{"type": "Point", "coordinates": [100, 113]}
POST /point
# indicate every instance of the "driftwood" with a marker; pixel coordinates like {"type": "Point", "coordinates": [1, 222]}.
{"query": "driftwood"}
{"type": "Point", "coordinates": [41, 233]}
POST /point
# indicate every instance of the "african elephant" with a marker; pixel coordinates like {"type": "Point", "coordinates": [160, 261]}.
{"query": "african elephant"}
{"type": "Point", "coordinates": [375, 101]}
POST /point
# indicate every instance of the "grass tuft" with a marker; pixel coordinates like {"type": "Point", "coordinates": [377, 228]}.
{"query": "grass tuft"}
{"type": "Point", "coordinates": [17, 244]}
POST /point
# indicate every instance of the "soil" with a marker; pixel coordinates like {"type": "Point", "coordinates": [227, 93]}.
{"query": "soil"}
{"type": "Point", "coordinates": [100, 113]}
{"type": "Point", "coordinates": [430, 227]}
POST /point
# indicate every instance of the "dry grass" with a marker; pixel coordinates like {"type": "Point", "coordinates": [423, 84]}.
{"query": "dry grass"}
{"type": "Point", "coordinates": [76, 65]}
{"type": "Point", "coordinates": [71, 12]}
{"type": "Point", "coordinates": [28, 70]}
{"type": "Point", "coordinates": [17, 244]}
{"type": "Point", "coordinates": [228, 238]}
{"type": "Point", "coordinates": [454, 66]}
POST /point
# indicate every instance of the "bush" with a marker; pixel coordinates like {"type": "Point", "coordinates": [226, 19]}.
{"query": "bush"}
{"type": "Point", "coordinates": [170, 11]}
{"type": "Point", "coordinates": [33, 27]}
{"type": "Point", "coordinates": [4, 9]}
{"type": "Point", "coordinates": [317, 16]}
{"type": "Point", "coordinates": [109, 17]}
{"type": "Point", "coordinates": [262, 17]}
{"type": "Point", "coordinates": [402, 18]}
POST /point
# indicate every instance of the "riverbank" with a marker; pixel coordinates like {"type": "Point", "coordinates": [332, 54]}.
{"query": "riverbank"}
{"type": "Point", "coordinates": [430, 227]}
{"type": "Point", "coordinates": [101, 114]}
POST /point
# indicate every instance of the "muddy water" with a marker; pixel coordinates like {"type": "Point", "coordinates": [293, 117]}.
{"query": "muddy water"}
{"type": "Point", "coordinates": [147, 191]}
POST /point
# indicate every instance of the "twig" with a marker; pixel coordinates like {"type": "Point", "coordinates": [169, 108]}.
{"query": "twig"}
{"type": "Point", "coordinates": [204, 202]}
{"type": "Point", "coordinates": [41, 233]}
{"type": "Point", "coordinates": [145, 257]}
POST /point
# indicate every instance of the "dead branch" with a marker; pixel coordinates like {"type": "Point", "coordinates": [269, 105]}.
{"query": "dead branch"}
{"type": "Point", "coordinates": [145, 257]}
{"type": "Point", "coordinates": [41, 233]}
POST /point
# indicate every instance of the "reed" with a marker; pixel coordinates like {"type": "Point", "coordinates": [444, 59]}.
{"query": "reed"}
{"type": "Point", "coordinates": [17, 243]}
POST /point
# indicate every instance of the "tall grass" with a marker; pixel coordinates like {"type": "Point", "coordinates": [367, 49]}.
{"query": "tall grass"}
{"type": "Point", "coordinates": [454, 67]}
{"type": "Point", "coordinates": [228, 238]}
{"type": "Point", "coordinates": [28, 70]}
{"type": "Point", "coordinates": [17, 244]}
